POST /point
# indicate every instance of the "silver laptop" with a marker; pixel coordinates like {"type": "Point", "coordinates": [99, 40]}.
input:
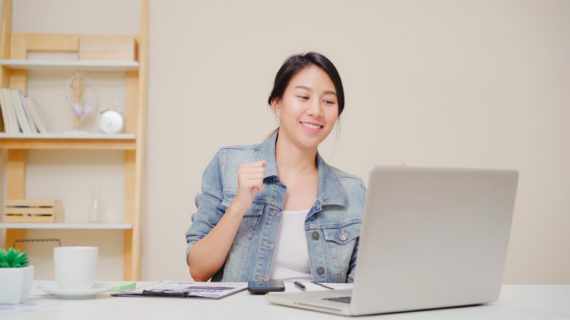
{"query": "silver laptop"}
{"type": "Point", "coordinates": [431, 238]}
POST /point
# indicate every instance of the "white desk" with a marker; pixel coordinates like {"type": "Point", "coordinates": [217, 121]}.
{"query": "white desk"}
{"type": "Point", "coordinates": [517, 302]}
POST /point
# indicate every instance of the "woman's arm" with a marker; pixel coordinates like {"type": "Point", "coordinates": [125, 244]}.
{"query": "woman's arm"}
{"type": "Point", "coordinates": [208, 254]}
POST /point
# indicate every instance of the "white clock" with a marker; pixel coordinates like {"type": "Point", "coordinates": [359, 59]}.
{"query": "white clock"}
{"type": "Point", "coordinates": [111, 121]}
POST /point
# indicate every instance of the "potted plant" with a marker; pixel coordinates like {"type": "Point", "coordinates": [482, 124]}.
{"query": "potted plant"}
{"type": "Point", "coordinates": [15, 276]}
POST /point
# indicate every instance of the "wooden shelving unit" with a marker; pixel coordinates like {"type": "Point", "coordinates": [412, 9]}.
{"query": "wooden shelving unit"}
{"type": "Point", "coordinates": [14, 48]}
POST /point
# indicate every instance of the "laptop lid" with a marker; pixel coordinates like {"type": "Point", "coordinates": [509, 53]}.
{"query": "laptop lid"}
{"type": "Point", "coordinates": [432, 238]}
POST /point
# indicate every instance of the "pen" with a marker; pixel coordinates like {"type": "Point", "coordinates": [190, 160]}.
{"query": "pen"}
{"type": "Point", "coordinates": [322, 285]}
{"type": "Point", "coordinates": [300, 285]}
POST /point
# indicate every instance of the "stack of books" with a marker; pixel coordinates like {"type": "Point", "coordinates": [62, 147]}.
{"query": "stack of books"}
{"type": "Point", "coordinates": [20, 113]}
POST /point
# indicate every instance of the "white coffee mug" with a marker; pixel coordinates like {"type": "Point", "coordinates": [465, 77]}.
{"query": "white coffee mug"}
{"type": "Point", "coordinates": [75, 267]}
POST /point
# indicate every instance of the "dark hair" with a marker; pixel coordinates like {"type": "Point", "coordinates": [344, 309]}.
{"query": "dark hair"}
{"type": "Point", "coordinates": [297, 62]}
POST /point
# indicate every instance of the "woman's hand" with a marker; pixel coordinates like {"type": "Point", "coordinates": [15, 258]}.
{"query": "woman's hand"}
{"type": "Point", "coordinates": [250, 182]}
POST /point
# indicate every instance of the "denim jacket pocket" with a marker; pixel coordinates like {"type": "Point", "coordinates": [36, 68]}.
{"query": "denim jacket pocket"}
{"type": "Point", "coordinates": [341, 239]}
{"type": "Point", "coordinates": [249, 221]}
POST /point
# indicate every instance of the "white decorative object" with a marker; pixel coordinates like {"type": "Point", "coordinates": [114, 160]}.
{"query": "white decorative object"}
{"type": "Point", "coordinates": [111, 121]}
{"type": "Point", "coordinates": [15, 284]}
{"type": "Point", "coordinates": [81, 97]}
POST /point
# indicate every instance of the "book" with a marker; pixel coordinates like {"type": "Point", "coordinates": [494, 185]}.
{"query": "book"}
{"type": "Point", "coordinates": [20, 113]}
{"type": "Point", "coordinates": [10, 121]}
{"type": "Point", "coordinates": [212, 290]}
{"type": "Point", "coordinates": [19, 108]}
{"type": "Point", "coordinates": [33, 111]}
{"type": "Point", "coordinates": [26, 108]}
{"type": "Point", "coordinates": [4, 112]}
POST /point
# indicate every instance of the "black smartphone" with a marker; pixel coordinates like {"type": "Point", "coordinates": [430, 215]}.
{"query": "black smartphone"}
{"type": "Point", "coordinates": [264, 286]}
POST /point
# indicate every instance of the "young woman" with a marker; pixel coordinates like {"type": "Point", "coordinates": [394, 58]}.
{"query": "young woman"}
{"type": "Point", "coordinates": [276, 210]}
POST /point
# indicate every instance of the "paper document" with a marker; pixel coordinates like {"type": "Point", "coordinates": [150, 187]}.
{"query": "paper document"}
{"type": "Point", "coordinates": [212, 290]}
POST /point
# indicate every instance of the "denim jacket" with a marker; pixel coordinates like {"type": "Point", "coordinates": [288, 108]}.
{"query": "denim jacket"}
{"type": "Point", "coordinates": [332, 225]}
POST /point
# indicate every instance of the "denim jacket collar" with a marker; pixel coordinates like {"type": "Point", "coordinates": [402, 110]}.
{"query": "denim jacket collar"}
{"type": "Point", "coordinates": [330, 190]}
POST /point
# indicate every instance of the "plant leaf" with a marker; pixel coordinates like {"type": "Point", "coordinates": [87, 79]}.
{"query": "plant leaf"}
{"type": "Point", "coordinates": [13, 258]}
{"type": "Point", "coordinates": [11, 255]}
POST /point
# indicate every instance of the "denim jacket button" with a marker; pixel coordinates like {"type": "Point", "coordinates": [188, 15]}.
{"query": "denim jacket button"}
{"type": "Point", "coordinates": [343, 236]}
{"type": "Point", "coordinates": [320, 271]}
{"type": "Point", "coordinates": [315, 235]}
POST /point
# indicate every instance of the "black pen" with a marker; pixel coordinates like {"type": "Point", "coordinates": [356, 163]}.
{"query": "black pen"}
{"type": "Point", "coordinates": [322, 285]}
{"type": "Point", "coordinates": [300, 285]}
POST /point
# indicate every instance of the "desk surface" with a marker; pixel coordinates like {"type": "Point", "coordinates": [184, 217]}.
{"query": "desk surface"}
{"type": "Point", "coordinates": [516, 302]}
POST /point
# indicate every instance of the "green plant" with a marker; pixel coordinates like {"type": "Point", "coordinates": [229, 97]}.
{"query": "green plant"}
{"type": "Point", "coordinates": [13, 258]}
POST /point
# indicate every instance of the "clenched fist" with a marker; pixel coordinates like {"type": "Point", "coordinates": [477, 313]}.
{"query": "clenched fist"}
{"type": "Point", "coordinates": [250, 182]}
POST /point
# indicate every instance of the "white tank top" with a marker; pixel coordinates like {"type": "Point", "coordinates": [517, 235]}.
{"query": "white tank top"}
{"type": "Point", "coordinates": [291, 256]}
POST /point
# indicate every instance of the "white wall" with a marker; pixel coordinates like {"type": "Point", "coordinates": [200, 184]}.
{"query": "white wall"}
{"type": "Point", "coordinates": [438, 83]}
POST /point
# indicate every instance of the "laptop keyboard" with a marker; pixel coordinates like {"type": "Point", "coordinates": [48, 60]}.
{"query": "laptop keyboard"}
{"type": "Point", "coordinates": [339, 299]}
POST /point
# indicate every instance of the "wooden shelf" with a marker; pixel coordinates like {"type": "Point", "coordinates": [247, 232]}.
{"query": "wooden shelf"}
{"type": "Point", "coordinates": [69, 141]}
{"type": "Point", "coordinates": [15, 73]}
{"type": "Point", "coordinates": [68, 135]}
{"type": "Point", "coordinates": [93, 226]}
{"type": "Point", "coordinates": [51, 65]}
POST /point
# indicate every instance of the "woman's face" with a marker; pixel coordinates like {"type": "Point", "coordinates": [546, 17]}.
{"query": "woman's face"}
{"type": "Point", "coordinates": [308, 109]}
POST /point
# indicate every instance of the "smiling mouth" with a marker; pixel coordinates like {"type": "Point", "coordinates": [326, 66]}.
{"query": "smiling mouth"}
{"type": "Point", "coordinates": [311, 125]}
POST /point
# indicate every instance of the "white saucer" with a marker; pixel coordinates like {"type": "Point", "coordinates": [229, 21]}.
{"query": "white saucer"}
{"type": "Point", "coordinates": [98, 287]}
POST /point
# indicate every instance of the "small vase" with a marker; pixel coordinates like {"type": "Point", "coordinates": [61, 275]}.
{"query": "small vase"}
{"type": "Point", "coordinates": [16, 284]}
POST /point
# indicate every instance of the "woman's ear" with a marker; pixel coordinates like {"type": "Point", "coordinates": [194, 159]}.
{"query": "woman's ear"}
{"type": "Point", "coordinates": [275, 106]}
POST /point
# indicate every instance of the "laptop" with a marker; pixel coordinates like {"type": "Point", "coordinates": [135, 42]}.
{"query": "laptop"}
{"type": "Point", "coordinates": [431, 238]}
